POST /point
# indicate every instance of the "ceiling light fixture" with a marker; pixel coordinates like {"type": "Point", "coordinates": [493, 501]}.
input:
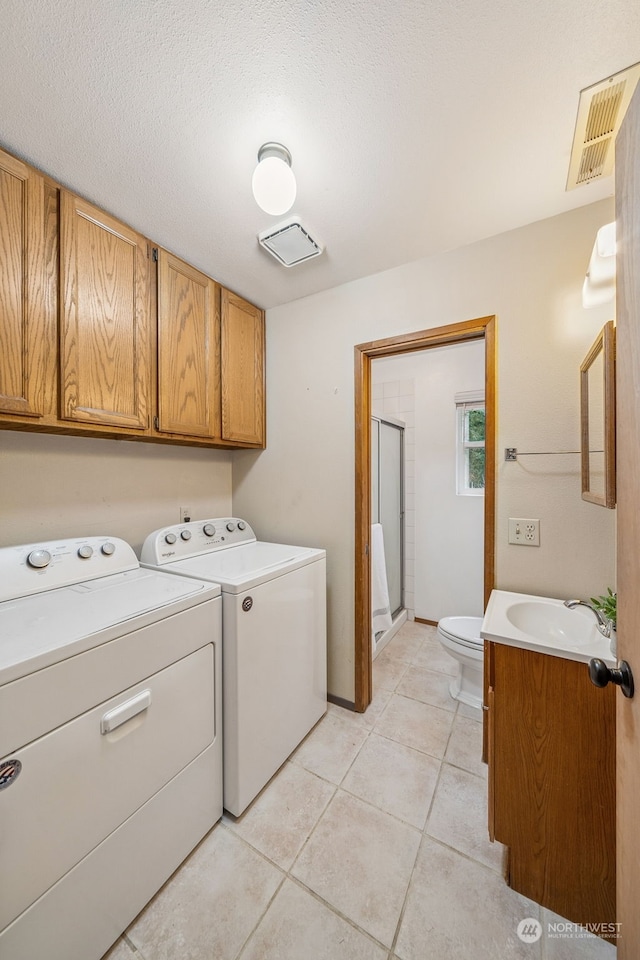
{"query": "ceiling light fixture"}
{"type": "Point", "coordinates": [273, 182]}
{"type": "Point", "coordinates": [600, 282]}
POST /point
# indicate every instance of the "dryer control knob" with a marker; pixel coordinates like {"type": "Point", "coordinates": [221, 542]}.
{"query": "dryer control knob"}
{"type": "Point", "coordinates": [241, 525]}
{"type": "Point", "coordinates": [108, 548]}
{"type": "Point", "coordinates": [85, 552]}
{"type": "Point", "coordinates": [209, 529]}
{"type": "Point", "coordinates": [186, 534]}
{"type": "Point", "coordinates": [39, 559]}
{"type": "Point", "coordinates": [231, 527]}
{"type": "Point", "coordinates": [170, 538]}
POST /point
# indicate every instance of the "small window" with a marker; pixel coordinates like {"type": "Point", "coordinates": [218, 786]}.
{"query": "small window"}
{"type": "Point", "coordinates": [470, 446]}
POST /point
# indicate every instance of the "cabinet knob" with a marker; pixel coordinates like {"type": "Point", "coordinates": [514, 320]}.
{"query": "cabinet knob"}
{"type": "Point", "coordinates": [600, 675]}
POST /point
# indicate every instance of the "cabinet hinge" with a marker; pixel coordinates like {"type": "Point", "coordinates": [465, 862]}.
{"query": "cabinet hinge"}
{"type": "Point", "coordinates": [156, 423]}
{"type": "Point", "coordinates": [154, 254]}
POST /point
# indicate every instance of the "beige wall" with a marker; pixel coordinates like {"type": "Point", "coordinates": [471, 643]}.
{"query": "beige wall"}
{"type": "Point", "coordinates": [55, 486]}
{"type": "Point", "coordinates": [301, 489]}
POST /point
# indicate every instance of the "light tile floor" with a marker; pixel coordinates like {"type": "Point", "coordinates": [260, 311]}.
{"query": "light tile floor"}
{"type": "Point", "coordinates": [369, 844]}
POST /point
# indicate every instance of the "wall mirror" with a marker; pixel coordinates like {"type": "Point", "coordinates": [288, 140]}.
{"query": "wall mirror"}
{"type": "Point", "coordinates": [597, 419]}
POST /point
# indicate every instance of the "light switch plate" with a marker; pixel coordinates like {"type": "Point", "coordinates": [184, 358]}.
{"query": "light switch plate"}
{"type": "Point", "coordinates": [525, 533]}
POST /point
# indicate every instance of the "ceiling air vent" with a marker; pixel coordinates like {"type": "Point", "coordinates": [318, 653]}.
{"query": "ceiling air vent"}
{"type": "Point", "coordinates": [600, 112]}
{"type": "Point", "coordinates": [290, 243]}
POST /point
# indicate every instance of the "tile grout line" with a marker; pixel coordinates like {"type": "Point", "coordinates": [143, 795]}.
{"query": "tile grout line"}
{"type": "Point", "coordinates": [392, 951]}
{"type": "Point", "coordinates": [394, 941]}
{"type": "Point", "coordinates": [131, 945]}
{"type": "Point", "coordinates": [413, 869]}
{"type": "Point", "coordinates": [400, 743]}
{"type": "Point", "coordinates": [288, 875]}
{"type": "Point", "coordinates": [424, 835]}
{"type": "Point", "coordinates": [336, 910]}
{"type": "Point", "coordinates": [260, 918]}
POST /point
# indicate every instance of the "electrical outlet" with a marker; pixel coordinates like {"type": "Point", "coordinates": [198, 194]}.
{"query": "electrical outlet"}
{"type": "Point", "coordinates": [526, 533]}
{"type": "Point", "coordinates": [185, 514]}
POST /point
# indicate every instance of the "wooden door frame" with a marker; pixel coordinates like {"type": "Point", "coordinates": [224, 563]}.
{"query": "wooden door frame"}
{"type": "Point", "coordinates": [483, 328]}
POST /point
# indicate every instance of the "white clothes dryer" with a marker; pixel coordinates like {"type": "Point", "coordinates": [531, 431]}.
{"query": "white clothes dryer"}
{"type": "Point", "coordinates": [274, 636]}
{"type": "Point", "coordinates": [110, 740]}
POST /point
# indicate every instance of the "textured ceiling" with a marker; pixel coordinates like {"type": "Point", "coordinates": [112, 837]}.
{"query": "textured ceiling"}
{"type": "Point", "coordinates": [414, 127]}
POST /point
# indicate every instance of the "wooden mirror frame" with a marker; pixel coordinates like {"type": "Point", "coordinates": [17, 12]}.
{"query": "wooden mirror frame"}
{"type": "Point", "coordinates": [605, 344]}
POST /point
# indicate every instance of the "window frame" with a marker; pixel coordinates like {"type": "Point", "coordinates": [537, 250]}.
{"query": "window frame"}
{"type": "Point", "coordinates": [465, 403]}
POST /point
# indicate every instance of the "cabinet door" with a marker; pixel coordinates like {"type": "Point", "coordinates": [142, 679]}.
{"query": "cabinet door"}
{"type": "Point", "coordinates": [105, 328]}
{"type": "Point", "coordinates": [28, 290]}
{"type": "Point", "coordinates": [552, 767]}
{"type": "Point", "coordinates": [188, 350]}
{"type": "Point", "coordinates": [242, 335]}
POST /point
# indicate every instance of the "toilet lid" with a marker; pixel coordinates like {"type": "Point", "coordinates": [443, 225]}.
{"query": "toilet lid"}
{"type": "Point", "coordinates": [465, 630]}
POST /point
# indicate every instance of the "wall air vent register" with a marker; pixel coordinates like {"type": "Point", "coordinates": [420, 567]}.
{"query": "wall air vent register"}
{"type": "Point", "coordinates": [290, 243]}
{"type": "Point", "coordinates": [601, 110]}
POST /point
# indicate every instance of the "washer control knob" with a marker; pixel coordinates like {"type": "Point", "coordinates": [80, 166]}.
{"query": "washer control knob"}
{"type": "Point", "coordinates": [39, 559]}
{"type": "Point", "coordinates": [241, 525]}
{"type": "Point", "coordinates": [170, 538]}
{"type": "Point", "coordinates": [186, 534]}
{"type": "Point", "coordinates": [108, 548]}
{"type": "Point", "coordinates": [85, 552]}
{"type": "Point", "coordinates": [209, 529]}
{"type": "Point", "coordinates": [231, 527]}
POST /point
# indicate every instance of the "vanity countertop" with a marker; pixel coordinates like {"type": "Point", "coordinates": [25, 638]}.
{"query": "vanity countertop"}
{"type": "Point", "coordinates": [544, 625]}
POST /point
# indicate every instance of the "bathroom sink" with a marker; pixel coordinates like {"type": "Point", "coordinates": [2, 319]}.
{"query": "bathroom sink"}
{"type": "Point", "coordinates": [543, 624]}
{"type": "Point", "coordinates": [552, 622]}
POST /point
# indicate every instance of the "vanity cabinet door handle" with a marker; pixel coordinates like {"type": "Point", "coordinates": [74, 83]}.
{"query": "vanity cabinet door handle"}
{"type": "Point", "coordinates": [600, 675]}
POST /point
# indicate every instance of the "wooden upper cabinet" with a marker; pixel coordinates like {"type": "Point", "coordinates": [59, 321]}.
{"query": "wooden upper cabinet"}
{"type": "Point", "coordinates": [242, 350]}
{"type": "Point", "coordinates": [188, 350]}
{"type": "Point", "coordinates": [81, 319]}
{"type": "Point", "coordinates": [28, 290]}
{"type": "Point", "coordinates": [105, 324]}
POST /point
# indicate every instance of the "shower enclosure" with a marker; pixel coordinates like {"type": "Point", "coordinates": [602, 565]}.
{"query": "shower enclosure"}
{"type": "Point", "coordinates": [387, 508]}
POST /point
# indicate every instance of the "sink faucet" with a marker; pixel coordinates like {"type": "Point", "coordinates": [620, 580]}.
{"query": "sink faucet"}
{"type": "Point", "coordinates": [604, 625]}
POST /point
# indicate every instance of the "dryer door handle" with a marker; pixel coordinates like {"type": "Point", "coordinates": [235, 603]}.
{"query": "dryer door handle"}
{"type": "Point", "coordinates": [125, 711]}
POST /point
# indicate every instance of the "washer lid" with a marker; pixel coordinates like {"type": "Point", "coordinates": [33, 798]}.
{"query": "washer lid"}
{"type": "Point", "coordinates": [464, 629]}
{"type": "Point", "coordinates": [39, 630]}
{"type": "Point", "coordinates": [241, 568]}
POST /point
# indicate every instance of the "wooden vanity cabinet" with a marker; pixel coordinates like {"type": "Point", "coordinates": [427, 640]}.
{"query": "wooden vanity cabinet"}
{"type": "Point", "coordinates": [550, 746]}
{"type": "Point", "coordinates": [242, 353]}
{"type": "Point", "coordinates": [188, 350]}
{"type": "Point", "coordinates": [28, 292]}
{"type": "Point", "coordinates": [105, 319]}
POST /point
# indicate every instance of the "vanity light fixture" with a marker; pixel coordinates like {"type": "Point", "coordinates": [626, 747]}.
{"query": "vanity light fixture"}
{"type": "Point", "coordinates": [600, 282]}
{"type": "Point", "coordinates": [273, 182]}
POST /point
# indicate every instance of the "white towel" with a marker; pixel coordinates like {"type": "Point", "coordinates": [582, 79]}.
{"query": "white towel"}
{"type": "Point", "coordinates": [380, 611]}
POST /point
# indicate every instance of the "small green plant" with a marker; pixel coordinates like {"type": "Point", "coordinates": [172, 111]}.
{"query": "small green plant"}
{"type": "Point", "coordinates": [607, 605]}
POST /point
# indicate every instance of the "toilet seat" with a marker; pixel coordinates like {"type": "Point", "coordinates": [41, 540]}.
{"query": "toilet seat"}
{"type": "Point", "coordinates": [460, 637]}
{"type": "Point", "coordinates": [464, 631]}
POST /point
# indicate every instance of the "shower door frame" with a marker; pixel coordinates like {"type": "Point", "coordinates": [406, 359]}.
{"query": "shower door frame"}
{"type": "Point", "coordinates": [483, 328]}
{"type": "Point", "coordinates": [401, 426]}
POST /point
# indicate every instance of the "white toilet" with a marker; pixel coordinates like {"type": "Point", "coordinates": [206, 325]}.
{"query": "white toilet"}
{"type": "Point", "coordinates": [460, 636]}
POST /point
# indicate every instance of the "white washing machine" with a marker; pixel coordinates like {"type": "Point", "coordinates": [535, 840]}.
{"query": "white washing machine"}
{"type": "Point", "coordinates": [110, 740]}
{"type": "Point", "coordinates": [274, 637]}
